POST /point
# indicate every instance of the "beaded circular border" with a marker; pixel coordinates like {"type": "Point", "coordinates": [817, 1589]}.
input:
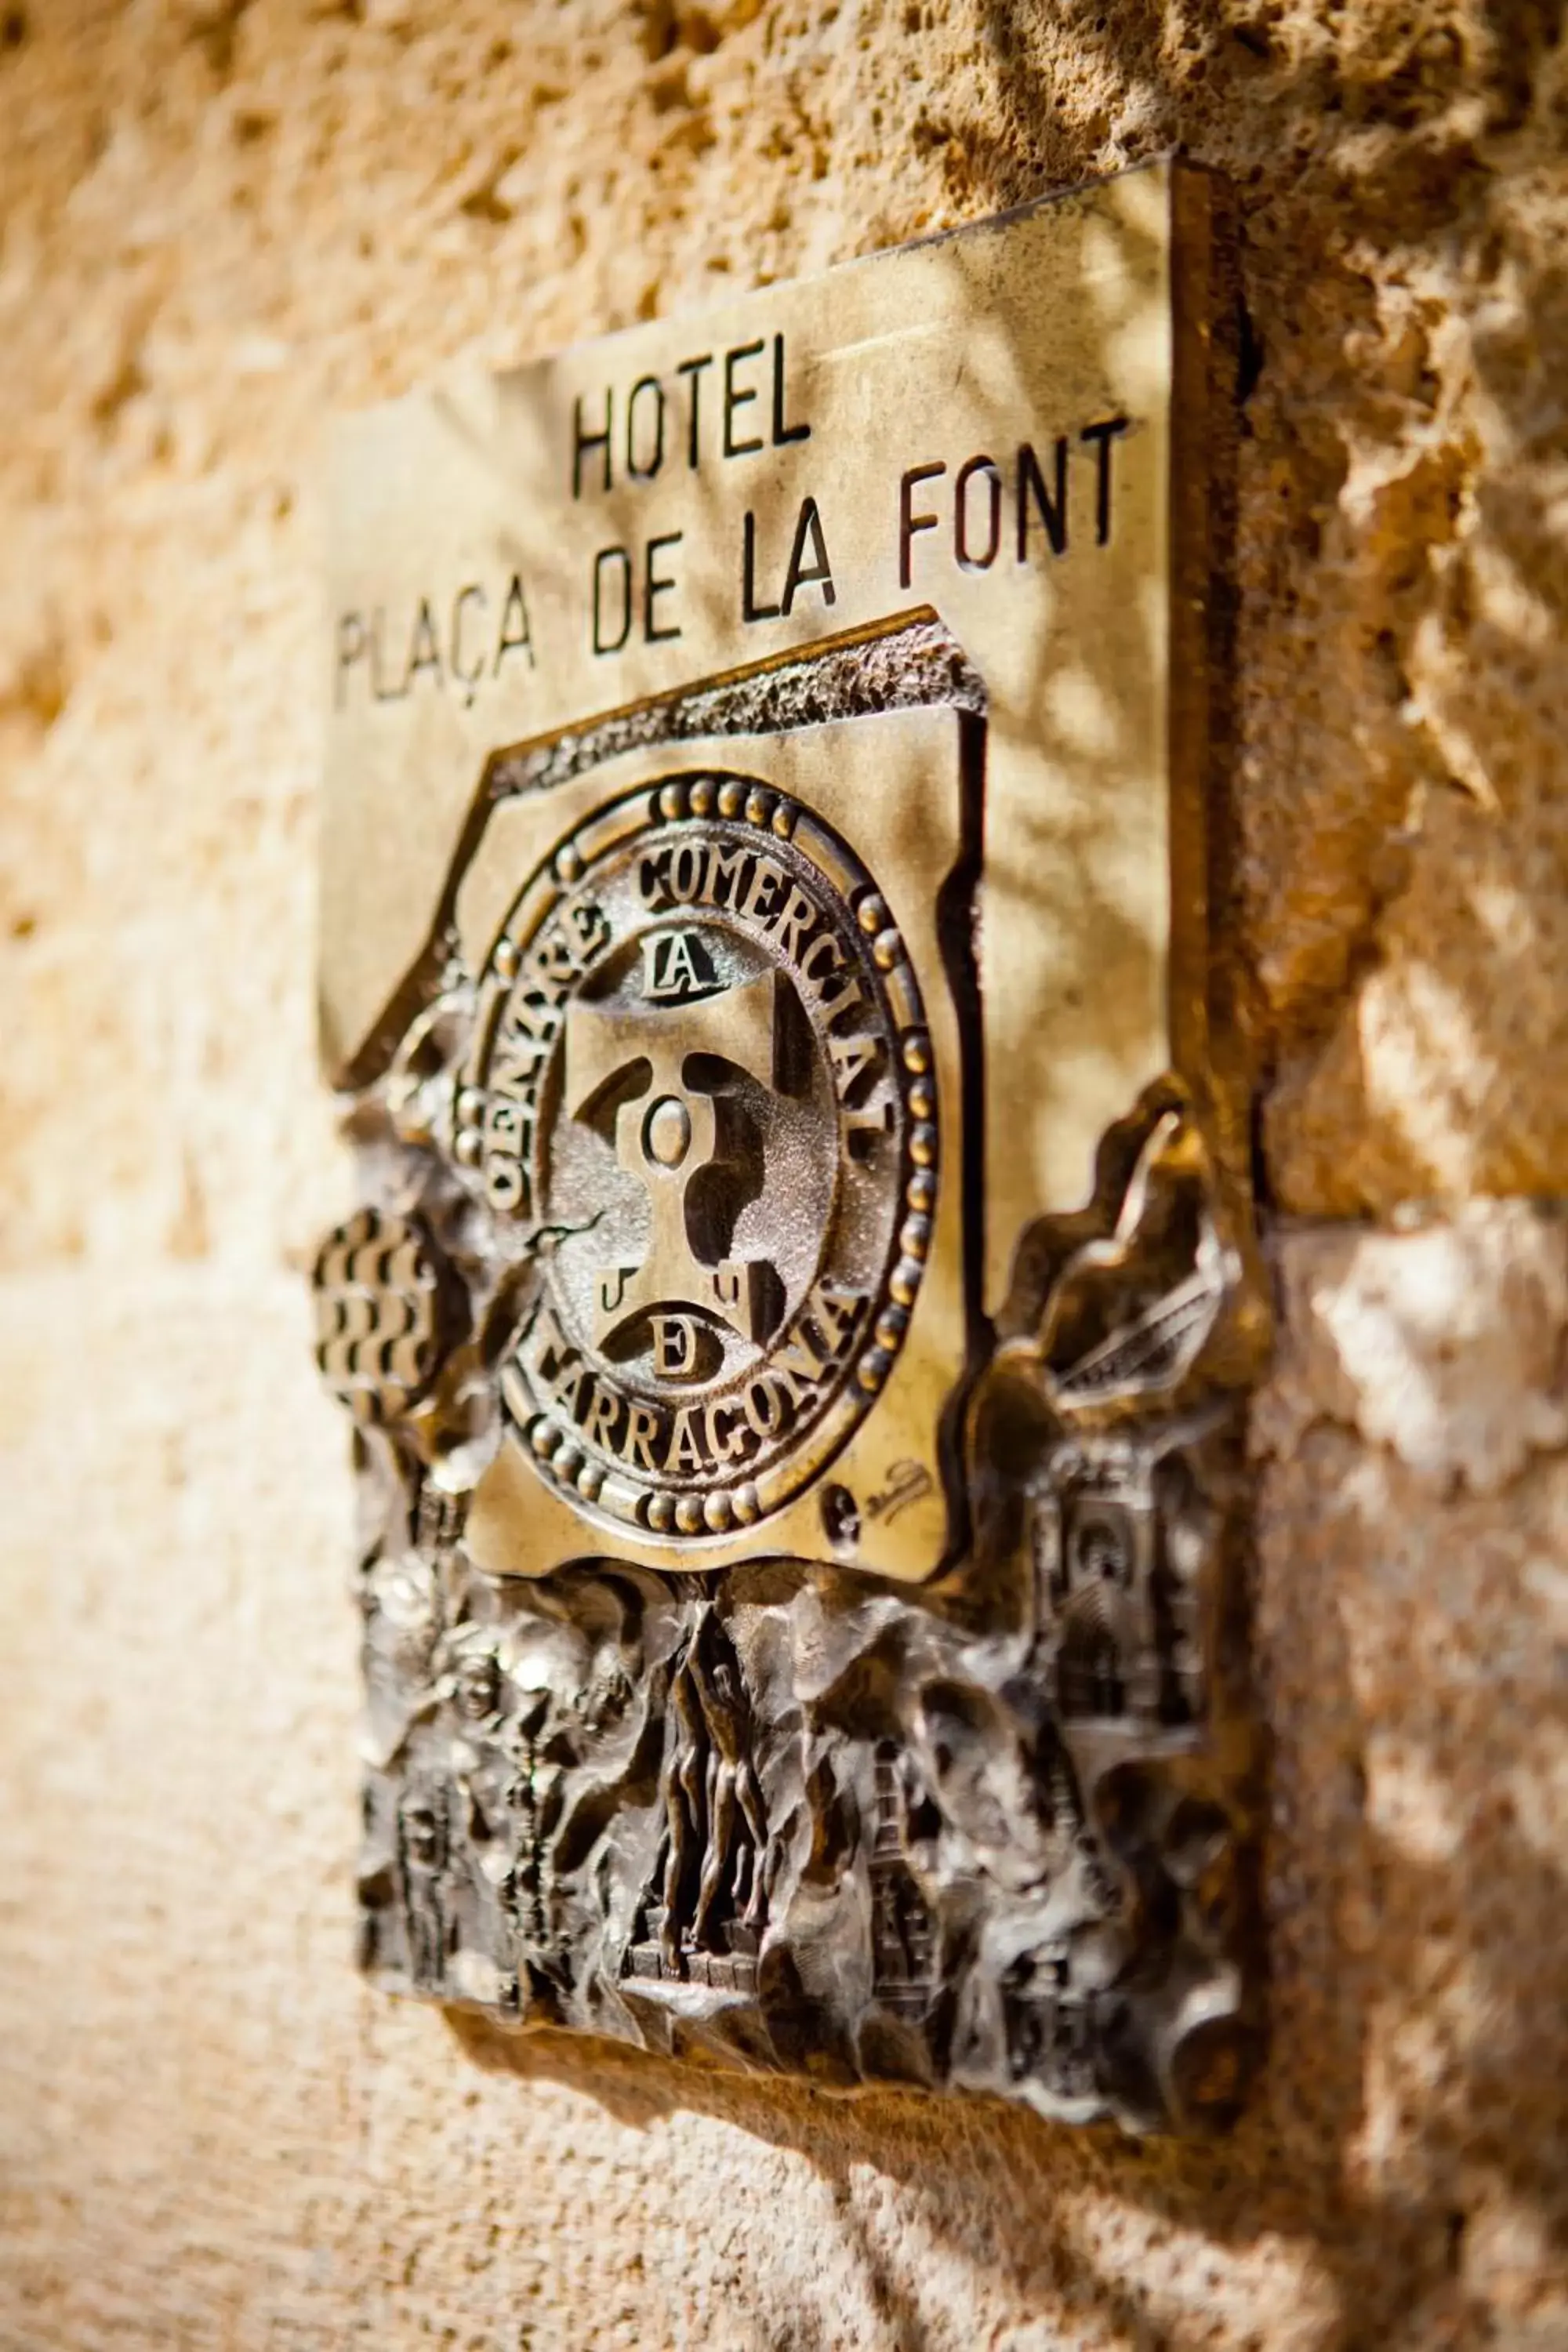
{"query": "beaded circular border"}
{"type": "Point", "coordinates": [632, 1503]}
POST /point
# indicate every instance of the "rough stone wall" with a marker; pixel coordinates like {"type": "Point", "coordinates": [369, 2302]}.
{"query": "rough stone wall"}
{"type": "Point", "coordinates": [218, 222]}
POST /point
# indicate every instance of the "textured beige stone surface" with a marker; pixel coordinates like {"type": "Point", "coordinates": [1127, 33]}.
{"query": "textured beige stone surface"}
{"type": "Point", "coordinates": [214, 224]}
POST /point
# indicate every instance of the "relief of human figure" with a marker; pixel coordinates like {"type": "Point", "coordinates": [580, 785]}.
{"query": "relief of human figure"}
{"type": "Point", "coordinates": [713, 1803]}
{"type": "Point", "coordinates": [422, 1852]}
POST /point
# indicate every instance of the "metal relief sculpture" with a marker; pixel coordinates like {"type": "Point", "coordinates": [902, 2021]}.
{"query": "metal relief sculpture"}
{"type": "Point", "coordinates": [803, 1598]}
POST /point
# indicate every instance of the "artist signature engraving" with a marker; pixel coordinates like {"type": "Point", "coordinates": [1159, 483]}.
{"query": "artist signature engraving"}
{"type": "Point", "coordinates": [907, 1482]}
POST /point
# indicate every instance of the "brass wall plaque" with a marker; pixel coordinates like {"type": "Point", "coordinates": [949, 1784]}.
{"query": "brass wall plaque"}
{"type": "Point", "coordinates": [799, 1326]}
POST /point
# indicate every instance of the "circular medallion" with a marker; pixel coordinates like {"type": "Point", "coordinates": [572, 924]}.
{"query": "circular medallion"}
{"type": "Point", "coordinates": [701, 1098]}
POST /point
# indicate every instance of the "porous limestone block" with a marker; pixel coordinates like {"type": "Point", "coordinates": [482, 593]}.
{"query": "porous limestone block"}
{"type": "Point", "coordinates": [219, 224]}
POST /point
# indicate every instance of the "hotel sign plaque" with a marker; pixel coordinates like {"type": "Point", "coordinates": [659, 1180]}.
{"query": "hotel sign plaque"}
{"type": "Point", "coordinates": [800, 1315]}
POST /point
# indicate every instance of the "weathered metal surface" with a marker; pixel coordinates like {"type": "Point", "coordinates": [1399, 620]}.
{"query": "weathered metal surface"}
{"type": "Point", "coordinates": [802, 1595]}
